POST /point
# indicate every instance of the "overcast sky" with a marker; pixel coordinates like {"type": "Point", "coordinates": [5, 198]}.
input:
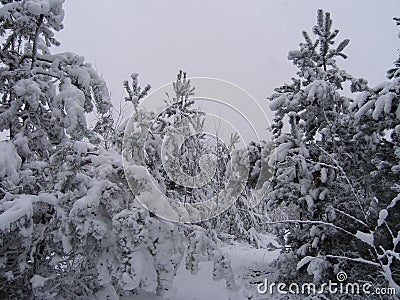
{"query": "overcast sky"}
{"type": "Point", "coordinates": [244, 42]}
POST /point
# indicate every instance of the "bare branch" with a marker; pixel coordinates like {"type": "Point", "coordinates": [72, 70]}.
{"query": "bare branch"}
{"type": "Point", "coordinates": [315, 223]}
{"type": "Point", "coordinates": [359, 259]}
{"type": "Point", "coordinates": [35, 40]}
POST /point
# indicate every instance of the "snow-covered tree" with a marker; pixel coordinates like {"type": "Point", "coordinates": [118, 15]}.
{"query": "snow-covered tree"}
{"type": "Point", "coordinates": [338, 164]}
{"type": "Point", "coordinates": [243, 221]}
{"type": "Point", "coordinates": [314, 112]}
{"type": "Point", "coordinates": [146, 145]}
{"type": "Point", "coordinates": [45, 98]}
{"type": "Point", "coordinates": [69, 226]}
{"type": "Point", "coordinates": [377, 120]}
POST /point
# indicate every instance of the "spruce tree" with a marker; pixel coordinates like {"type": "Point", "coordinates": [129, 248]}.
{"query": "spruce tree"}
{"type": "Point", "coordinates": [69, 226]}
{"type": "Point", "coordinates": [345, 179]}
{"type": "Point", "coordinates": [317, 115]}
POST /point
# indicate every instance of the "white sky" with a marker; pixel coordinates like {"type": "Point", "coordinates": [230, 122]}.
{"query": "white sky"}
{"type": "Point", "coordinates": [244, 42]}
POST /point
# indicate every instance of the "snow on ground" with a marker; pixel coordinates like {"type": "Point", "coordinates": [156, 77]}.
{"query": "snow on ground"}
{"type": "Point", "coordinates": [201, 286]}
{"type": "Point", "coordinates": [248, 263]}
{"type": "Point", "coordinates": [144, 296]}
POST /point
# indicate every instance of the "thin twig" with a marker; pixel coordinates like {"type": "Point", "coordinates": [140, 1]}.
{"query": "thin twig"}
{"type": "Point", "coordinates": [35, 41]}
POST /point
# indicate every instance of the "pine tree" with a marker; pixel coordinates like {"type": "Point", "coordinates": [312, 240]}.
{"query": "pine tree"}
{"type": "Point", "coordinates": [377, 117]}
{"type": "Point", "coordinates": [345, 178]}
{"type": "Point", "coordinates": [44, 102]}
{"type": "Point", "coordinates": [319, 120]}
{"type": "Point", "coordinates": [243, 221]}
{"type": "Point", "coordinates": [155, 135]}
{"type": "Point", "coordinates": [70, 228]}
